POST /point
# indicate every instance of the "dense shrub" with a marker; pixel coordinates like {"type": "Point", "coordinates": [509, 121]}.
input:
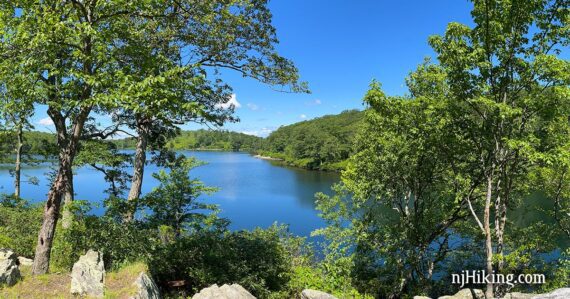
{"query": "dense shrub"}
{"type": "Point", "coordinates": [258, 260]}
{"type": "Point", "coordinates": [120, 243]}
{"type": "Point", "coordinates": [19, 225]}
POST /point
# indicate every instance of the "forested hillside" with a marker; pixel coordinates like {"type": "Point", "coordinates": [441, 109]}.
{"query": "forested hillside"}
{"type": "Point", "coordinates": [34, 144]}
{"type": "Point", "coordinates": [322, 143]}
{"type": "Point", "coordinates": [205, 140]}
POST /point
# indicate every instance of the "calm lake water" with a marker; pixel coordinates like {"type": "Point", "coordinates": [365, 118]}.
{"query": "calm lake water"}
{"type": "Point", "coordinates": [253, 192]}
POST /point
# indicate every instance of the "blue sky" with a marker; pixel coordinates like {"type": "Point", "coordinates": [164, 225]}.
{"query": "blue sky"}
{"type": "Point", "coordinates": [339, 46]}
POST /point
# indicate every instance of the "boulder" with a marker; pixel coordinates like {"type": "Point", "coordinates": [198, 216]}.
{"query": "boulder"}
{"type": "Point", "coordinates": [146, 288]}
{"type": "Point", "coordinates": [9, 270]}
{"type": "Point", "coordinates": [88, 275]}
{"type": "Point", "coordinates": [25, 261]}
{"type": "Point", "coordinates": [466, 294]}
{"type": "Point", "coordinates": [556, 294]}
{"type": "Point", "coordinates": [314, 294]}
{"type": "Point", "coordinates": [517, 295]}
{"type": "Point", "coordinates": [234, 291]}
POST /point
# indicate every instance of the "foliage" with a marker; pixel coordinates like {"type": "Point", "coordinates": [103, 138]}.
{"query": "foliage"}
{"type": "Point", "coordinates": [205, 140]}
{"type": "Point", "coordinates": [478, 134]}
{"type": "Point", "coordinates": [320, 143]}
{"type": "Point", "coordinates": [106, 158]}
{"type": "Point", "coordinates": [38, 146]}
{"type": "Point", "coordinates": [120, 243]}
{"type": "Point", "coordinates": [150, 64]}
{"type": "Point", "coordinates": [258, 260]}
{"type": "Point", "coordinates": [19, 223]}
{"type": "Point", "coordinates": [174, 202]}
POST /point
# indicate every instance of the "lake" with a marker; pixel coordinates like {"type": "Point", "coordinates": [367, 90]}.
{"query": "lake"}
{"type": "Point", "coordinates": [253, 192]}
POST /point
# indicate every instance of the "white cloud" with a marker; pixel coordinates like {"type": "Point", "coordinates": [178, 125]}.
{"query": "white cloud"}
{"type": "Point", "coordinates": [252, 106]}
{"type": "Point", "coordinates": [232, 102]}
{"type": "Point", "coordinates": [318, 102]}
{"type": "Point", "coordinates": [263, 132]}
{"type": "Point", "coordinates": [303, 116]}
{"type": "Point", "coordinates": [45, 122]}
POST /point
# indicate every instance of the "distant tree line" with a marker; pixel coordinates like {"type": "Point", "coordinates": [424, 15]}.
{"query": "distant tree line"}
{"type": "Point", "coordinates": [322, 143]}
{"type": "Point", "coordinates": [205, 140]}
{"type": "Point", "coordinates": [37, 146]}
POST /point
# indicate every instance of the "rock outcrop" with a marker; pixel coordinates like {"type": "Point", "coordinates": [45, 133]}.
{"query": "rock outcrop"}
{"type": "Point", "coordinates": [314, 294]}
{"type": "Point", "coordinates": [9, 270]}
{"type": "Point", "coordinates": [466, 294]}
{"type": "Point", "coordinates": [478, 294]}
{"type": "Point", "coordinates": [88, 275]}
{"type": "Point", "coordinates": [517, 295]}
{"type": "Point", "coordinates": [234, 291]}
{"type": "Point", "coordinates": [25, 261]}
{"type": "Point", "coordinates": [146, 288]}
{"type": "Point", "coordinates": [563, 293]}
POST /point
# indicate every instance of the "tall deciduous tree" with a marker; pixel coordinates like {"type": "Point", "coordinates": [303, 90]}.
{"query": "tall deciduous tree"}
{"type": "Point", "coordinates": [498, 73]}
{"type": "Point", "coordinates": [210, 36]}
{"type": "Point", "coordinates": [76, 52]}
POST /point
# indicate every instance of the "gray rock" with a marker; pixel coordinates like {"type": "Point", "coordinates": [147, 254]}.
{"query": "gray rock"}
{"type": "Point", "coordinates": [25, 261]}
{"type": "Point", "coordinates": [466, 294]}
{"type": "Point", "coordinates": [146, 288]}
{"type": "Point", "coordinates": [517, 295]}
{"type": "Point", "coordinates": [234, 291]}
{"type": "Point", "coordinates": [88, 275]}
{"type": "Point", "coordinates": [314, 294]}
{"type": "Point", "coordinates": [421, 297]}
{"type": "Point", "coordinates": [9, 270]}
{"type": "Point", "coordinates": [556, 294]}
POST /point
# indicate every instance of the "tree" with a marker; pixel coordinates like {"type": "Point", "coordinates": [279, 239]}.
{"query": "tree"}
{"type": "Point", "coordinates": [16, 109]}
{"type": "Point", "coordinates": [399, 194]}
{"type": "Point", "coordinates": [210, 36]}
{"type": "Point", "coordinates": [175, 202]}
{"type": "Point", "coordinates": [498, 73]}
{"type": "Point", "coordinates": [76, 51]}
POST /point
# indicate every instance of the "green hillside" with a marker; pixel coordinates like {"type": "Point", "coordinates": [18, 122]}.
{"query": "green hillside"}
{"type": "Point", "coordinates": [205, 140]}
{"type": "Point", "coordinates": [35, 144]}
{"type": "Point", "coordinates": [322, 143]}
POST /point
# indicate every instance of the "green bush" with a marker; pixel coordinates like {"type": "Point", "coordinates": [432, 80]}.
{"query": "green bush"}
{"type": "Point", "coordinates": [120, 243]}
{"type": "Point", "coordinates": [259, 260]}
{"type": "Point", "coordinates": [19, 225]}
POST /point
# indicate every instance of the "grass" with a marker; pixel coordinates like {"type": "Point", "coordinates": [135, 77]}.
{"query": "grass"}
{"type": "Point", "coordinates": [118, 284]}
{"type": "Point", "coordinates": [54, 285]}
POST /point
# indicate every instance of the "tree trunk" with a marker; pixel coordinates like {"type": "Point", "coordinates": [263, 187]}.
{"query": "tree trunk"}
{"type": "Point", "coordinates": [67, 218]}
{"type": "Point", "coordinates": [47, 232]}
{"type": "Point", "coordinates": [17, 170]}
{"type": "Point", "coordinates": [488, 241]}
{"type": "Point", "coordinates": [67, 150]}
{"type": "Point", "coordinates": [143, 129]}
{"type": "Point", "coordinates": [500, 231]}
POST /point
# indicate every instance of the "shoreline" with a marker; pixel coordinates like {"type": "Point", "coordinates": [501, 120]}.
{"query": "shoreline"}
{"type": "Point", "coordinates": [267, 158]}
